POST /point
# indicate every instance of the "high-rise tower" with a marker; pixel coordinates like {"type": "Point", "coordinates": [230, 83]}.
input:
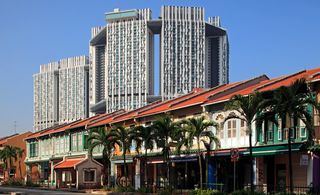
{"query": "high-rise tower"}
{"type": "Point", "coordinates": [193, 53]}
{"type": "Point", "coordinates": [61, 92]}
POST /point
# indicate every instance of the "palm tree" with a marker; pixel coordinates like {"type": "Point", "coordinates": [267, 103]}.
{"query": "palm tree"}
{"type": "Point", "coordinates": [165, 133]}
{"type": "Point", "coordinates": [11, 154]}
{"type": "Point", "coordinates": [208, 142]}
{"type": "Point", "coordinates": [20, 153]}
{"type": "Point", "coordinates": [123, 138]}
{"type": "Point", "coordinates": [247, 108]}
{"type": "Point", "coordinates": [144, 136]}
{"type": "Point", "coordinates": [290, 103]}
{"type": "Point", "coordinates": [197, 129]}
{"type": "Point", "coordinates": [3, 158]}
{"type": "Point", "coordinates": [98, 137]}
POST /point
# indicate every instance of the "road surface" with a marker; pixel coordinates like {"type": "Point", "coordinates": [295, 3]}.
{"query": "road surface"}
{"type": "Point", "coordinates": [25, 190]}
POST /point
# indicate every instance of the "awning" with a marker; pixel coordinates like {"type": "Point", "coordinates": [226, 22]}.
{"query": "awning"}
{"type": "Point", "coordinates": [272, 150]}
{"type": "Point", "coordinates": [68, 163]}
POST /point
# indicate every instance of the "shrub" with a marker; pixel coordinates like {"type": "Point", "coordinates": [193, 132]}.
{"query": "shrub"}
{"type": "Point", "coordinates": [13, 182]}
{"type": "Point", "coordinates": [145, 190]}
{"type": "Point", "coordinates": [246, 192]}
{"type": "Point", "coordinates": [31, 184]}
{"type": "Point", "coordinates": [206, 192]}
{"type": "Point", "coordinates": [124, 189]}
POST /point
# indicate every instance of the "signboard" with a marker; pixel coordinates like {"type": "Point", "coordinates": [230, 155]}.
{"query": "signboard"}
{"type": "Point", "coordinates": [234, 152]}
{"type": "Point", "coordinates": [304, 159]}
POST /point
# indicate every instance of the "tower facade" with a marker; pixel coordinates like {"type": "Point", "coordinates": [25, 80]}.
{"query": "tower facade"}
{"type": "Point", "coordinates": [193, 53]}
{"type": "Point", "coordinates": [129, 62]}
{"type": "Point", "coordinates": [61, 92]}
{"type": "Point", "coordinates": [97, 53]}
{"type": "Point", "coordinates": [45, 100]}
{"type": "Point", "coordinates": [182, 50]}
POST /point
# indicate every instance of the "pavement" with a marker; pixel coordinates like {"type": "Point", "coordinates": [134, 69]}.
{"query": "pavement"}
{"type": "Point", "coordinates": [26, 190]}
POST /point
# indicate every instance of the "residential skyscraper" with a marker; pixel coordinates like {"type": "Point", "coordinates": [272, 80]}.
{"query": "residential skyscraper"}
{"type": "Point", "coordinates": [193, 53]}
{"type": "Point", "coordinates": [61, 92]}
{"type": "Point", "coordinates": [127, 45]}
{"type": "Point", "coordinates": [97, 67]}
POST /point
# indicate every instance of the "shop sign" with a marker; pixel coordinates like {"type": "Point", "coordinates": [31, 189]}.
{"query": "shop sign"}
{"type": "Point", "coordinates": [304, 159]}
{"type": "Point", "coordinates": [234, 154]}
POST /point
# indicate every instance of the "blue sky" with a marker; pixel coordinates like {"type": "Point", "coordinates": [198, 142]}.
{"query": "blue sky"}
{"type": "Point", "coordinates": [266, 37]}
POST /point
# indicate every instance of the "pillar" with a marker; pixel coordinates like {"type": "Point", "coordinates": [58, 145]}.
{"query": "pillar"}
{"type": "Point", "coordinates": [113, 172]}
{"type": "Point", "coordinates": [52, 173]}
{"type": "Point", "coordinates": [137, 178]}
{"type": "Point", "coordinates": [28, 176]}
{"type": "Point", "coordinates": [77, 179]}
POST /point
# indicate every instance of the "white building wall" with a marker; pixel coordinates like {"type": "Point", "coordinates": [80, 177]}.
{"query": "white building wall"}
{"type": "Point", "coordinates": [61, 92]}
{"type": "Point", "coordinates": [182, 50]}
{"type": "Point", "coordinates": [73, 83]}
{"type": "Point", "coordinates": [127, 78]}
{"type": "Point", "coordinates": [45, 100]}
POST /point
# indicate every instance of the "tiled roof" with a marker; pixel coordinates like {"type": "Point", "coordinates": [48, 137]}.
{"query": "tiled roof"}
{"type": "Point", "coordinates": [243, 92]}
{"type": "Point", "coordinates": [68, 163]}
{"type": "Point", "coordinates": [197, 97]}
{"type": "Point", "coordinates": [3, 140]}
{"type": "Point", "coordinates": [287, 80]}
{"type": "Point", "coordinates": [105, 119]}
{"type": "Point", "coordinates": [165, 105]}
{"type": "Point", "coordinates": [201, 97]}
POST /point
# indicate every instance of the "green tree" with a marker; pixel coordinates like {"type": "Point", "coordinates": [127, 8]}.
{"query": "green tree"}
{"type": "Point", "coordinates": [144, 136]}
{"type": "Point", "coordinates": [209, 140]}
{"type": "Point", "coordinates": [3, 158]}
{"type": "Point", "coordinates": [98, 137]}
{"type": "Point", "coordinates": [20, 153]}
{"type": "Point", "coordinates": [123, 138]}
{"type": "Point", "coordinates": [291, 103]}
{"type": "Point", "coordinates": [165, 133]}
{"type": "Point", "coordinates": [197, 129]}
{"type": "Point", "coordinates": [247, 109]}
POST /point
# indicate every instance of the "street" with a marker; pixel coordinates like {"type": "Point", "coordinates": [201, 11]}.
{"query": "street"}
{"type": "Point", "coordinates": [8, 190]}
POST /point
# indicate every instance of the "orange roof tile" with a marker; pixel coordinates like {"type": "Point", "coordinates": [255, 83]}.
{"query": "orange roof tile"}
{"type": "Point", "coordinates": [86, 121]}
{"type": "Point", "coordinates": [68, 163]}
{"type": "Point", "coordinates": [105, 119]}
{"type": "Point", "coordinates": [201, 97]}
{"type": "Point", "coordinates": [243, 92]}
{"type": "Point", "coordinates": [288, 80]}
{"type": "Point", "coordinates": [165, 105]}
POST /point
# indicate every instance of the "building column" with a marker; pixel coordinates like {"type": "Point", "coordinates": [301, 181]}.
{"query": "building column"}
{"type": "Point", "coordinates": [113, 172]}
{"type": "Point", "coordinates": [137, 178]}
{"type": "Point", "coordinates": [52, 173]}
{"type": "Point", "coordinates": [40, 170]}
{"type": "Point", "coordinates": [77, 179]}
{"type": "Point", "coordinates": [28, 176]}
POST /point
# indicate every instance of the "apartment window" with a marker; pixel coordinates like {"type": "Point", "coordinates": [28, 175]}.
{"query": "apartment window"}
{"type": "Point", "coordinates": [33, 151]}
{"type": "Point", "coordinates": [302, 129]}
{"type": "Point", "coordinates": [79, 136]}
{"type": "Point", "coordinates": [85, 141]}
{"type": "Point", "coordinates": [270, 131]}
{"type": "Point", "coordinates": [89, 175]}
{"type": "Point", "coordinates": [279, 129]}
{"type": "Point", "coordinates": [232, 128]}
{"type": "Point", "coordinates": [221, 131]}
{"type": "Point", "coordinates": [243, 128]}
{"type": "Point", "coordinates": [74, 142]}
